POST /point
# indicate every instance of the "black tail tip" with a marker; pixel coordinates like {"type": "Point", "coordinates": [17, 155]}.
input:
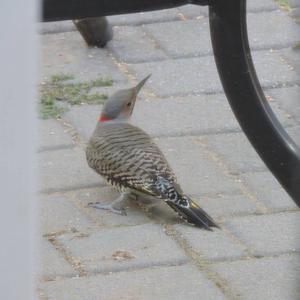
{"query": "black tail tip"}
{"type": "Point", "coordinates": [195, 215]}
{"type": "Point", "coordinates": [208, 227]}
{"type": "Point", "coordinates": [200, 218]}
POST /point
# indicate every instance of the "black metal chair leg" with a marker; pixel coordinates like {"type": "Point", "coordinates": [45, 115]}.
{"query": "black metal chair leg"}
{"type": "Point", "coordinates": [95, 31]}
{"type": "Point", "coordinates": [244, 93]}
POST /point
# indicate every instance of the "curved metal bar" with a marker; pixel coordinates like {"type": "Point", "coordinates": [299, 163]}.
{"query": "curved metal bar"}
{"type": "Point", "coordinates": [232, 54]}
{"type": "Point", "coordinates": [57, 10]}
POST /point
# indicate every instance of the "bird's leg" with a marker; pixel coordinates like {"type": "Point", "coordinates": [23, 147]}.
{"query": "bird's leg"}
{"type": "Point", "coordinates": [116, 206]}
{"type": "Point", "coordinates": [147, 200]}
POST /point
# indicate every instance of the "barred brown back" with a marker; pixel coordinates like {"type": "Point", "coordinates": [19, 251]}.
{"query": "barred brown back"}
{"type": "Point", "coordinates": [127, 157]}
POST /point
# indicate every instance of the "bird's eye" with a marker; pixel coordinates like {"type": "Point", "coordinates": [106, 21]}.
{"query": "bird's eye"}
{"type": "Point", "coordinates": [129, 104]}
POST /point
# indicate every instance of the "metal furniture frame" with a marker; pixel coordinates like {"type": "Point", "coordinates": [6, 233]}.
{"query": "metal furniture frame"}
{"type": "Point", "coordinates": [228, 30]}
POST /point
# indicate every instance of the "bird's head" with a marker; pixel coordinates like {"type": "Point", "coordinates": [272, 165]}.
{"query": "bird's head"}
{"type": "Point", "coordinates": [119, 106]}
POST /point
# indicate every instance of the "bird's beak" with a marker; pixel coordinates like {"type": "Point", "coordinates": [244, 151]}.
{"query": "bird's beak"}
{"type": "Point", "coordinates": [140, 84]}
{"type": "Point", "coordinates": [136, 90]}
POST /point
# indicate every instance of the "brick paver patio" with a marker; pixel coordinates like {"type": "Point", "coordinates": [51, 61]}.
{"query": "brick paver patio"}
{"type": "Point", "coordinates": [87, 254]}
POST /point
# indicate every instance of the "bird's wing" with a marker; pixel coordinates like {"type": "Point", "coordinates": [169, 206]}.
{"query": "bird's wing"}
{"type": "Point", "coordinates": [127, 156]}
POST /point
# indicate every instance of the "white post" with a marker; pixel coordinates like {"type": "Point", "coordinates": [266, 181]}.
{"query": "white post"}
{"type": "Point", "coordinates": [18, 60]}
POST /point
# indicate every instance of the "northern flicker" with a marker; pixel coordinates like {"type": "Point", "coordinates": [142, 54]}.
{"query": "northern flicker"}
{"type": "Point", "coordinates": [129, 160]}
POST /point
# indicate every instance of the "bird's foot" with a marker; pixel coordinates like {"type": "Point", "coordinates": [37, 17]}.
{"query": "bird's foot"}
{"type": "Point", "coordinates": [109, 207]}
{"type": "Point", "coordinates": [116, 206]}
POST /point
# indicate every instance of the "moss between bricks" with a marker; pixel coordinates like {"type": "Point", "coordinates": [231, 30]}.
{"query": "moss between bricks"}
{"type": "Point", "coordinates": [283, 4]}
{"type": "Point", "coordinates": [58, 88]}
{"type": "Point", "coordinates": [296, 46]}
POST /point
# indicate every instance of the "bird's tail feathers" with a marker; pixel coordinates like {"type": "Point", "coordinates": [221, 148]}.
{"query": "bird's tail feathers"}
{"type": "Point", "coordinates": [194, 214]}
{"type": "Point", "coordinates": [185, 207]}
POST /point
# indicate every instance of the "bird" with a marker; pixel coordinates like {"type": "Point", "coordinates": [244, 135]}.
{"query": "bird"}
{"type": "Point", "coordinates": [129, 160]}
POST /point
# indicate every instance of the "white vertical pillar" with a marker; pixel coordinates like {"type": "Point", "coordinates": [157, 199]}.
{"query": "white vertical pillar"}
{"type": "Point", "coordinates": [18, 59]}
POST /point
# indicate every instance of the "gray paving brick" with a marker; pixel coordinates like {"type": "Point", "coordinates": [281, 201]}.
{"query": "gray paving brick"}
{"type": "Point", "coordinates": [268, 234]}
{"type": "Point", "coordinates": [196, 173]}
{"type": "Point", "coordinates": [156, 283]}
{"type": "Point", "coordinates": [294, 133]}
{"type": "Point", "coordinates": [173, 77]}
{"type": "Point", "coordinates": [51, 264]}
{"type": "Point", "coordinates": [55, 27]}
{"type": "Point", "coordinates": [135, 215]}
{"type": "Point", "coordinates": [192, 11]}
{"type": "Point", "coordinates": [124, 248]}
{"type": "Point", "coordinates": [65, 169]}
{"type": "Point", "coordinates": [200, 114]}
{"type": "Point", "coordinates": [268, 190]}
{"type": "Point", "coordinates": [132, 44]}
{"type": "Point", "coordinates": [272, 70]}
{"type": "Point", "coordinates": [164, 15]}
{"type": "Point", "coordinates": [261, 5]}
{"type": "Point", "coordinates": [198, 75]}
{"type": "Point", "coordinates": [295, 13]}
{"type": "Point", "coordinates": [193, 36]}
{"type": "Point", "coordinates": [236, 151]}
{"type": "Point", "coordinates": [288, 99]}
{"type": "Point", "coordinates": [52, 136]}
{"type": "Point", "coordinates": [225, 205]}
{"type": "Point", "coordinates": [292, 57]}
{"type": "Point", "coordinates": [57, 214]}
{"type": "Point", "coordinates": [84, 119]}
{"type": "Point", "coordinates": [67, 53]}
{"type": "Point", "coordinates": [273, 278]}
{"type": "Point", "coordinates": [166, 117]}
{"type": "Point", "coordinates": [109, 90]}
{"type": "Point", "coordinates": [213, 246]}
{"type": "Point", "coordinates": [294, 3]}
{"type": "Point", "coordinates": [284, 31]}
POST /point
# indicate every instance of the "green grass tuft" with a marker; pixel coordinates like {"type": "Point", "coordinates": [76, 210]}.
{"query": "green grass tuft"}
{"type": "Point", "coordinates": [57, 89]}
{"type": "Point", "coordinates": [102, 82]}
{"type": "Point", "coordinates": [60, 77]}
{"type": "Point", "coordinates": [48, 109]}
{"type": "Point", "coordinates": [296, 46]}
{"type": "Point", "coordinates": [283, 4]}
